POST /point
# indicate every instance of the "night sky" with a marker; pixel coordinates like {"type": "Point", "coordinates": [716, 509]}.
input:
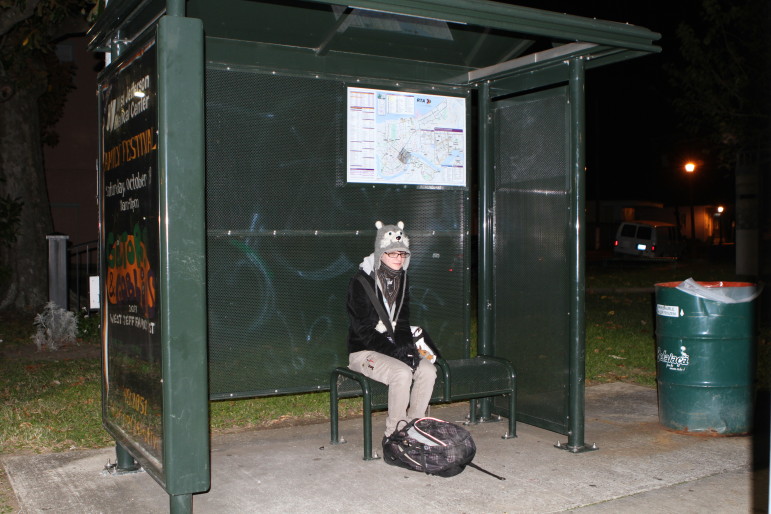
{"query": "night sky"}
{"type": "Point", "coordinates": [636, 148]}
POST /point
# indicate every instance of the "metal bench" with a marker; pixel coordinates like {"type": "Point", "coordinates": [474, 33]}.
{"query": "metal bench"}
{"type": "Point", "coordinates": [457, 380]}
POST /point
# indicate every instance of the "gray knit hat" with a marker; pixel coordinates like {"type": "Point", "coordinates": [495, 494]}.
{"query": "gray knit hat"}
{"type": "Point", "coordinates": [391, 238]}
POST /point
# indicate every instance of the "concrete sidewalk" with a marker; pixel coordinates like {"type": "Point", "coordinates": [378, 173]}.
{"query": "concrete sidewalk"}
{"type": "Point", "coordinates": [639, 467]}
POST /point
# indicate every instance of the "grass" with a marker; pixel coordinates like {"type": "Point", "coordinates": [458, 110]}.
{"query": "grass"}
{"type": "Point", "coordinates": [51, 406]}
{"type": "Point", "coordinates": [619, 339]}
{"type": "Point", "coordinates": [228, 416]}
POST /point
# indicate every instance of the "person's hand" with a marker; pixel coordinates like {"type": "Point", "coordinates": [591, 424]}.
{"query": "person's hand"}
{"type": "Point", "coordinates": [408, 354]}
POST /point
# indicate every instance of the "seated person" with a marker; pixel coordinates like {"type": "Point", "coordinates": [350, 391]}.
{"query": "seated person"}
{"type": "Point", "coordinates": [389, 354]}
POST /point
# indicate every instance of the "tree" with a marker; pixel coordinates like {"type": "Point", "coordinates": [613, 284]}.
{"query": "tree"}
{"type": "Point", "coordinates": [723, 75]}
{"type": "Point", "coordinates": [33, 89]}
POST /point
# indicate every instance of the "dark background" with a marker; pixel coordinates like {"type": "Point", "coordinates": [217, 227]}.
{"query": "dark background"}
{"type": "Point", "coordinates": [636, 146]}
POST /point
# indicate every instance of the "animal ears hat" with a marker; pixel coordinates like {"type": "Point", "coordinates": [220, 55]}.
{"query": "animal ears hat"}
{"type": "Point", "coordinates": [391, 238]}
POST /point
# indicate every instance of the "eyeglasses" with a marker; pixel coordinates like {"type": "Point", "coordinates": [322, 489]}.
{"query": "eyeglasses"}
{"type": "Point", "coordinates": [394, 255]}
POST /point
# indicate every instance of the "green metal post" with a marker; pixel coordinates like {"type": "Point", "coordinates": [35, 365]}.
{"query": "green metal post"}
{"type": "Point", "coordinates": [175, 7]}
{"type": "Point", "coordinates": [181, 503]}
{"type": "Point", "coordinates": [577, 258]}
{"type": "Point", "coordinates": [467, 249]}
{"type": "Point", "coordinates": [125, 462]}
{"type": "Point", "coordinates": [183, 257]}
{"type": "Point", "coordinates": [485, 275]}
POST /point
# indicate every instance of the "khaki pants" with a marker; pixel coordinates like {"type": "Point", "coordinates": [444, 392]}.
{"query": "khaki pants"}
{"type": "Point", "coordinates": [409, 393]}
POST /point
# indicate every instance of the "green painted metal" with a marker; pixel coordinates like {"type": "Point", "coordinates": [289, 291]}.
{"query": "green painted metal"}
{"type": "Point", "coordinates": [705, 360]}
{"type": "Point", "coordinates": [175, 7]}
{"type": "Point", "coordinates": [124, 460]}
{"type": "Point", "coordinates": [532, 250]}
{"type": "Point", "coordinates": [485, 318]}
{"type": "Point", "coordinates": [181, 504]}
{"type": "Point", "coordinates": [485, 332]}
{"type": "Point", "coordinates": [182, 278]}
{"type": "Point", "coordinates": [577, 258]}
{"type": "Point", "coordinates": [532, 80]}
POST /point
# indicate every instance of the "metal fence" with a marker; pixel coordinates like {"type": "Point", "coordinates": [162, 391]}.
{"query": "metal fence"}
{"type": "Point", "coordinates": [82, 263]}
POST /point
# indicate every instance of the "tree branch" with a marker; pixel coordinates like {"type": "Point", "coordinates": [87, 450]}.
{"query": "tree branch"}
{"type": "Point", "coordinates": [10, 17]}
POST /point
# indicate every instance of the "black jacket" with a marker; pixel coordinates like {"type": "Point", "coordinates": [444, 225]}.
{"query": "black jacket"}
{"type": "Point", "coordinates": [363, 318]}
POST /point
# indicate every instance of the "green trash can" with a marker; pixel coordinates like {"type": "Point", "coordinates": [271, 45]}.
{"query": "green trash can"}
{"type": "Point", "coordinates": [705, 356]}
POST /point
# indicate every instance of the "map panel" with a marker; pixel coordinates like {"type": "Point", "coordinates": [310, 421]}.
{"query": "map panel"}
{"type": "Point", "coordinates": [397, 137]}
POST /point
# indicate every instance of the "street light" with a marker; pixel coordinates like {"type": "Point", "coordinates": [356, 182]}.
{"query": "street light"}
{"type": "Point", "coordinates": [690, 168]}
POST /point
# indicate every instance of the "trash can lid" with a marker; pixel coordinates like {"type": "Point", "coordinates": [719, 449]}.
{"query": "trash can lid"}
{"type": "Point", "coordinates": [725, 292]}
{"type": "Point", "coordinates": [708, 284]}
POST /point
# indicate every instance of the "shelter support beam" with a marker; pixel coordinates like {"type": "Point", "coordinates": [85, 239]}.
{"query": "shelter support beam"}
{"type": "Point", "coordinates": [531, 61]}
{"type": "Point", "coordinates": [175, 7]}
{"type": "Point", "coordinates": [577, 245]}
{"type": "Point", "coordinates": [125, 462]}
{"type": "Point", "coordinates": [486, 186]}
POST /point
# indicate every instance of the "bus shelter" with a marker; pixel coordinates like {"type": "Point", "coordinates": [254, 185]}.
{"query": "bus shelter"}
{"type": "Point", "coordinates": [247, 149]}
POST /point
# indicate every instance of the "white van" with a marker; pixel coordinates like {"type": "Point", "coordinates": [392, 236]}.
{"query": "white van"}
{"type": "Point", "coordinates": [648, 239]}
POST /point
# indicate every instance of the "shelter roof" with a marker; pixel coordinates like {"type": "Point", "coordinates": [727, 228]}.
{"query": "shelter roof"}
{"type": "Point", "coordinates": [476, 39]}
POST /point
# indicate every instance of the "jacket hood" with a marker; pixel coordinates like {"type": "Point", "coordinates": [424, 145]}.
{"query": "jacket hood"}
{"type": "Point", "coordinates": [368, 264]}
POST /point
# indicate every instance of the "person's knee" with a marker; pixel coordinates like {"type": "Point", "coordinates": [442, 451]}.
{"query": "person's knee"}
{"type": "Point", "coordinates": [426, 370]}
{"type": "Point", "coordinates": [401, 376]}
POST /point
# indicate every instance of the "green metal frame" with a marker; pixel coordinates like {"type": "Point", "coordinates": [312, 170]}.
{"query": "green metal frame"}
{"type": "Point", "coordinates": [577, 258]}
{"type": "Point", "coordinates": [183, 256]}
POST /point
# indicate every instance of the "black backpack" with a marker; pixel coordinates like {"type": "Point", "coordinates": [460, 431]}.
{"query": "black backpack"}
{"type": "Point", "coordinates": [430, 445]}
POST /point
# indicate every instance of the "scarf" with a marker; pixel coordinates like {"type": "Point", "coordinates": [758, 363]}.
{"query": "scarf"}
{"type": "Point", "coordinates": [390, 281]}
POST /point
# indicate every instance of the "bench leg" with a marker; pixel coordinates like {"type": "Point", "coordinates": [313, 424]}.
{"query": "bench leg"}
{"type": "Point", "coordinates": [479, 411]}
{"type": "Point", "coordinates": [512, 433]}
{"type": "Point", "coordinates": [334, 412]}
{"type": "Point", "coordinates": [367, 423]}
{"type": "Point", "coordinates": [472, 411]}
{"type": "Point", "coordinates": [474, 418]}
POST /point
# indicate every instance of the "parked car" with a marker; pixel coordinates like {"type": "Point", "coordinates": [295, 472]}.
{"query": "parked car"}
{"type": "Point", "coordinates": [648, 239]}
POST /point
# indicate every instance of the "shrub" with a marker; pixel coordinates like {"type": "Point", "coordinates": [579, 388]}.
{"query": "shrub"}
{"type": "Point", "coordinates": [55, 326]}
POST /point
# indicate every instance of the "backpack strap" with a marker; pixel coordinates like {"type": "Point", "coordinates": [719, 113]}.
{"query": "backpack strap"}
{"type": "Point", "coordinates": [378, 306]}
{"type": "Point", "coordinates": [483, 470]}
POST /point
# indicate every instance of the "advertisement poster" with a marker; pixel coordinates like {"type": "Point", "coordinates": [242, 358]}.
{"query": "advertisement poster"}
{"type": "Point", "coordinates": [132, 406]}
